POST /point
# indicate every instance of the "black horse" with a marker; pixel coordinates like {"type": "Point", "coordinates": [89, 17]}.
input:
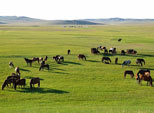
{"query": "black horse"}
{"type": "Point", "coordinates": [106, 60]}
{"type": "Point", "coordinates": [131, 73]}
{"type": "Point", "coordinates": [68, 51]}
{"type": "Point", "coordinates": [140, 61]}
{"type": "Point", "coordinates": [33, 81]}
{"type": "Point", "coordinates": [21, 82]}
{"type": "Point", "coordinates": [28, 61]}
{"type": "Point", "coordinates": [43, 66]}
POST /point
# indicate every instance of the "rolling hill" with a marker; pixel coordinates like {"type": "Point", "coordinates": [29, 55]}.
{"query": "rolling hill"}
{"type": "Point", "coordinates": [27, 21]}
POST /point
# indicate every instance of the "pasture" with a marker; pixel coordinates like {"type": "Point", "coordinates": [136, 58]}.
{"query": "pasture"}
{"type": "Point", "coordinates": [77, 86]}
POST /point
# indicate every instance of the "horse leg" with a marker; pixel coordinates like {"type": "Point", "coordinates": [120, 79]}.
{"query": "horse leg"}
{"type": "Point", "coordinates": [39, 84]}
{"type": "Point", "coordinates": [125, 75]}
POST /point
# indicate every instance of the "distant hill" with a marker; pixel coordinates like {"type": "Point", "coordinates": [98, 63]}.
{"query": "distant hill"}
{"type": "Point", "coordinates": [119, 20]}
{"type": "Point", "coordinates": [27, 21]}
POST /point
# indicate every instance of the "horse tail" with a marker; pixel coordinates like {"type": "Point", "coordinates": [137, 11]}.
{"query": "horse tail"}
{"type": "Point", "coordinates": [110, 60]}
{"type": "Point", "coordinates": [30, 85]}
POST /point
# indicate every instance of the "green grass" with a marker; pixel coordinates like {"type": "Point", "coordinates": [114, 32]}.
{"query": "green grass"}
{"type": "Point", "coordinates": [76, 86]}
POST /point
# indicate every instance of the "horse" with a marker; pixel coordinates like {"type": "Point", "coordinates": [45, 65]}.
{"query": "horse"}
{"type": "Point", "coordinates": [123, 52]}
{"type": "Point", "coordinates": [94, 51]}
{"type": "Point", "coordinates": [58, 59]}
{"type": "Point", "coordinates": [21, 82]}
{"type": "Point", "coordinates": [46, 58]}
{"type": "Point", "coordinates": [126, 62]}
{"type": "Point", "coordinates": [36, 59]}
{"type": "Point", "coordinates": [11, 65]}
{"type": "Point", "coordinates": [131, 73]}
{"type": "Point", "coordinates": [105, 51]}
{"type": "Point", "coordinates": [81, 56]}
{"type": "Point", "coordinates": [17, 70]}
{"type": "Point", "coordinates": [131, 51]}
{"type": "Point", "coordinates": [28, 61]}
{"type": "Point", "coordinates": [106, 59]}
{"type": "Point", "coordinates": [68, 52]}
{"type": "Point", "coordinates": [119, 39]}
{"type": "Point", "coordinates": [33, 81]}
{"type": "Point", "coordinates": [144, 74]}
{"type": "Point", "coordinates": [112, 50]}
{"type": "Point", "coordinates": [116, 60]}
{"type": "Point", "coordinates": [139, 61]}
{"type": "Point", "coordinates": [8, 81]}
{"type": "Point", "coordinates": [43, 66]}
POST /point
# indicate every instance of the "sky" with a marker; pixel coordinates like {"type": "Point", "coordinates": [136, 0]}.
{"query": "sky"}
{"type": "Point", "coordinates": [78, 9]}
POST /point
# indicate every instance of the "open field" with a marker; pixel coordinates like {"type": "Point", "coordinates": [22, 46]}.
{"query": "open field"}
{"type": "Point", "coordinates": [76, 86]}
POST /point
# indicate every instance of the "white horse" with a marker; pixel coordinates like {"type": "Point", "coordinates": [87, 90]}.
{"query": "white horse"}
{"type": "Point", "coordinates": [126, 62]}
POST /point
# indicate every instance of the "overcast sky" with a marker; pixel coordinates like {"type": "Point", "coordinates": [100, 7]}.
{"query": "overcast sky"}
{"type": "Point", "coordinates": [77, 9]}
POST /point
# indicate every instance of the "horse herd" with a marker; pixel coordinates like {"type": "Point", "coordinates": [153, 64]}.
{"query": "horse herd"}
{"type": "Point", "coordinates": [14, 78]}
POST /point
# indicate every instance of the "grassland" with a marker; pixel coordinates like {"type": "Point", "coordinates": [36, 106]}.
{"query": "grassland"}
{"type": "Point", "coordinates": [76, 86]}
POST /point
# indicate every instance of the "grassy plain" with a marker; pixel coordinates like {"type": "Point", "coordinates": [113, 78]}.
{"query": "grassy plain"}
{"type": "Point", "coordinates": [76, 86]}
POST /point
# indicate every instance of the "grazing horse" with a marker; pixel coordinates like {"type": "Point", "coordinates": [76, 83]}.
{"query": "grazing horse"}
{"type": "Point", "coordinates": [81, 56]}
{"type": "Point", "coordinates": [58, 59]}
{"type": "Point", "coordinates": [112, 50]}
{"type": "Point", "coordinates": [139, 61]}
{"type": "Point", "coordinates": [11, 65]}
{"type": "Point", "coordinates": [43, 66]}
{"type": "Point", "coordinates": [94, 51]}
{"type": "Point", "coordinates": [28, 61]}
{"type": "Point", "coordinates": [33, 81]}
{"type": "Point", "coordinates": [131, 73]}
{"type": "Point", "coordinates": [17, 70]}
{"type": "Point", "coordinates": [126, 62]}
{"type": "Point", "coordinates": [21, 82]}
{"type": "Point", "coordinates": [8, 81]}
{"type": "Point", "coordinates": [116, 60]}
{"type": "Point", "coordinates": [68, 52]}
{"type": "Point", "coordinates": [36, 59]}
{"type": "Point", "coordinates": [131, 51]}
{"type": "Point", "coordinates": [106, 59]}
{"type": "Point", "coordinates": [144, 74]}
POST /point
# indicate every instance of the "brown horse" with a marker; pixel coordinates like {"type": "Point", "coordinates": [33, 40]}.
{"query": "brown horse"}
{"type": "Point", "coordinates": [8, 81]}
{"type": "Point", "coordinates": [33, 81]}
{"type": "Point", "coordinates": [81, 56]}
{"type": "Point", "coordinates": [21, 82]}
{"type": "Point", "coordinates": [144, 75]}
{"type": "Point", "coordinates": [35, 59]}
{"type": "Point", "coordinates": [131, 73]}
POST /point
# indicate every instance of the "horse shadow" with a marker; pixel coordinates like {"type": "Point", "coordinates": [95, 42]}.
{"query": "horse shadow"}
{"type": "Point", "coordinates": [147, 68]}
{"type": "Point", "coordinates": [29, 77]}
{"type": "Point", "coordinates": [69, 62]}
{"type": "Point", "coordinates": [24, 70]}
{"type": "Point", "coordinates": [42, 90]}
{"type": "Point", "coordinates": [93, 61]}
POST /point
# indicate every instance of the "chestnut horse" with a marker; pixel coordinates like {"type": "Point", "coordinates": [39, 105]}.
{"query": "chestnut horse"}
{"type": "Point", "coordinates": [144, 75]}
